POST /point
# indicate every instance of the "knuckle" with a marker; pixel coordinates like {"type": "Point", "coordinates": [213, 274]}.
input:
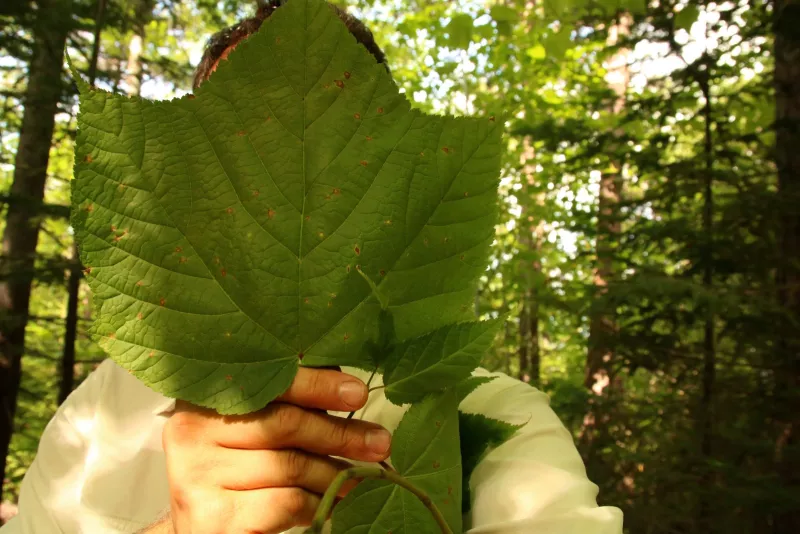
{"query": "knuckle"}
{"type": "Point", "coordinates": [293, 501]}
{"type": "Point", "coordinates": [289, 419]}
{"type": "Point", "coordinates": [344, 434]}
{"type": "Point", "coordinates": [180, 429]}
{"type": "Point", "coordinates": [296, 466]}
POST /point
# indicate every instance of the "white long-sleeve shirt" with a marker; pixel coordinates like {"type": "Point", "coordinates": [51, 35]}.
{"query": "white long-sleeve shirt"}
{"type": "Point", "coordinates": [100, 467]}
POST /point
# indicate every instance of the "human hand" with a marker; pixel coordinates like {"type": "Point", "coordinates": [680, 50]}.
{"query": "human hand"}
{"type": "Point", "coordinates": [265, 472]}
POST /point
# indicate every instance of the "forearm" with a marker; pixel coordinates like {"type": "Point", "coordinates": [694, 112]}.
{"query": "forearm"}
{"type": "Point", "coordinates": [162, 526]}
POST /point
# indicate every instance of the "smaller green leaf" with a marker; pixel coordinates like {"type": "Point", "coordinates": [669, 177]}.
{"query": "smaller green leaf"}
{"type": "Point", "coordinates": [460, 31]}
{"type": "Point", "coordinates": [502, 13]}
{"type": "Point", "coordinates": [437, 361]}
{"type": "Point", "coordinates": [425, 451]}
{"type": "Point", "coordinates": [469, 385]}
{"type": "Point", "coordinates": [686, 17]}
{"type": "Point", "coordinates": [478, 435]}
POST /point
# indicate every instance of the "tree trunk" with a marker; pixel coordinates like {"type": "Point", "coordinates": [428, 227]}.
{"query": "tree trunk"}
{"type": "Point", "coordinates": [599, 374]}
{"type": "Point", "coordinates": [709, 373]}
{"type": "Point", "coordinates": [133, 75]}
{"type": "Point", "coordinates": [531, 234]}
{"type": "Point", "coordinates": [787, 141]}
{"type": "Point", "coordinates": [600, 356]}
{"type": "Point", "coordinates": [22, 225]}
{"type": "Point", "coordinates": [74, 283]}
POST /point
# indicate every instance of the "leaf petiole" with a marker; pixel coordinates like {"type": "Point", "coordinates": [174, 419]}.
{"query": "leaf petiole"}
{"type": "Point", "coordinates": [329, 498]}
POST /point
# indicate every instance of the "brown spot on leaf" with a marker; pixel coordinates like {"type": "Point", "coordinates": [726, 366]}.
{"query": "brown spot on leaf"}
{"type": "Point", "coordinates": [491, 118]}
{"type": "Point", "coordinates": [216, 260]}
{"type": "Point", "coordinates": [346, 336]}
{"type": "Point", "coordinates": [387, 222]}
{"type": "Point", "coordinates": [152, 353]}
{"type": "Point", "coordinates": [139, 283]}
{"type": "Point", "coordinates": [445, 150]}
{"type": "Point", "coordinates": [308, 217]}
{"type": "Point", "coordinates": [112, 335]}
{"type": "Point", "coordinates": [357, 115]}
{"type": "Point", "coordinates": [183, 259]}
{"type": "Point", "coordinates": [358, 268]}
{"type": "Point", "coordinates": [383, 273]}
{"type": "Point", "coordinates": [348, 268]}
{"type": "Point", "coordinates": [178, 249]}
{"type": "Point", "coordinates": [191, 97]}
{"type": "Point", "coordinates": [256, 193]}
{"type": "Point", "coordinates": [339, 83]}
{"type": "Point", "coordinates": [462, 257]}
{"type": "Point", "coordinates": [270, 213]}
{"type": "Point", "coordinates": [139, 316]}
{"type": "Point", "coordinates": [436, 464]}
{"type": "Point", "coordinates": [300, 356]}
{"type": "Point", "coordinates": [425, 241]}
{"type": "Point", "coordinates": [357, 250]}
{"type": "Point", "coordinates": [241, 388]}
{"type": "Point", "coordinates": [162, 301]}
{"type": "Point", "coordinates": [369, 138]}
{"type": "Point", "coordinates": [90, 208]}
{"type": "Point", "coordinates": [347, 74]}
{"type": "Point", "coordinates": [438, 424]}
{"type": "Point", "coordinates": [449, 490]}
{"type": "Point", "coordinates": [380, 110]}
{"type": "Point", "coordinates": [321, 235]}
{"type": "Point", "coordinates": [241, 133]}
{"type": "Point", "coordinates": [305, 300]}
{"type": "Point", "coordinates": [327, 86]}
{"type": "Point", "coordinates": [228, 378]}
{"type": "Point", "coordinates": [113, 228]}
{"type": "Point", "coordinates": [337, 191]}
{"type": "Point", "coordinates": [446, 501]}
{"type": "Point", "coordinates": [229, 211]}
{"type": "Point", "coordinates": [88, 158]}
{"type": "Point", "coordinates": [363, 162]}
{"type": "Point", "coordinates": [223, 272]}
{"type": "Point", "coordinates": [466, 193]}
{"type": "Point", "coordinates": [330, 304]}
{"type": "Point", "coordinates": [277, 40]}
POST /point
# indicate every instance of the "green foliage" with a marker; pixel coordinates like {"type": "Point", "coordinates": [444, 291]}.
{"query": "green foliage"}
{"type": "Point", "coordinates": [425, 451]}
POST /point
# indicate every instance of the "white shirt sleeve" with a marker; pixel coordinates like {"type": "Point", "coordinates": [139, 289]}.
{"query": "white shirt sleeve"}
{"type": "Point", "coordinates": [536, 481]}
{"type": "Point", "coordinates": [50, 493]}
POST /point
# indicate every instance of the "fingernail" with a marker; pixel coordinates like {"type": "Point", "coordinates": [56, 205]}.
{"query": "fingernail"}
{"type": "Point", "coordinates": [353, 393]}
{"type": "Point", "coordinates": [379, 440]}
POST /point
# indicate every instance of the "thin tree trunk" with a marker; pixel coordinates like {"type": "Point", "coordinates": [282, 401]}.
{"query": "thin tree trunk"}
{"type": "Point", "coordinates": [133, 74]}
{"type": "Point", "coordinates": [787, 142]}
{"type": "Point", "coordinates": [709, 374]}
{"type": "Point", "coordinates": [22, 225]}
{"type": "Point", "coordinates": [531, 233]}
{"type": "Point", "coordinates": [67, 381]}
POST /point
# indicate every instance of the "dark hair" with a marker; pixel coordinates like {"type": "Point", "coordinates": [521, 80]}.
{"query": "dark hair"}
{"type": "Point", "coordinates": [220, 41]}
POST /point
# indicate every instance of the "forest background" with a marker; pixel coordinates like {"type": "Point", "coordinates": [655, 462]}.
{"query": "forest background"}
{"type": "Point", "coordinates": [648, 256]}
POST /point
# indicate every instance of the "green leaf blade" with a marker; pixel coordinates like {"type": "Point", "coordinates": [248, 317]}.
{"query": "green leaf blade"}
{"type": "Point", "coordinates": [438, 360]}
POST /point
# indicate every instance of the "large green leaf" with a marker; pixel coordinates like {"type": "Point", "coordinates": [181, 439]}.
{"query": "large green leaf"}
{"type": "Point", "coordinates": [437, 361]}
{"type": "Point", "coordinates": [425, 450]}
{"type": "Point", "coordinates": [222, 231]}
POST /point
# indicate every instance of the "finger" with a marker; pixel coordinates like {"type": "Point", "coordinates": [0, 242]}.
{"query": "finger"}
{"type": "Point", "coordinates": [326, 389]}
{"type": "Point", "coordinates": [273, 510]}
{"type": "Point", "coordinates": [241, 470]}
{"type": "Point", "coordinates": [286, 426]}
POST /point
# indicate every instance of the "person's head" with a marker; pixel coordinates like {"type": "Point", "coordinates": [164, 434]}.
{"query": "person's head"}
{"type": "Point", "coordinates": [223, 42]}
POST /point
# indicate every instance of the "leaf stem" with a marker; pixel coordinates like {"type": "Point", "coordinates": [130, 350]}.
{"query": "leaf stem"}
{"type": "Point", "coordinates": [350, 416]}
{"type": "Point", "coordinates": [329, 498]}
